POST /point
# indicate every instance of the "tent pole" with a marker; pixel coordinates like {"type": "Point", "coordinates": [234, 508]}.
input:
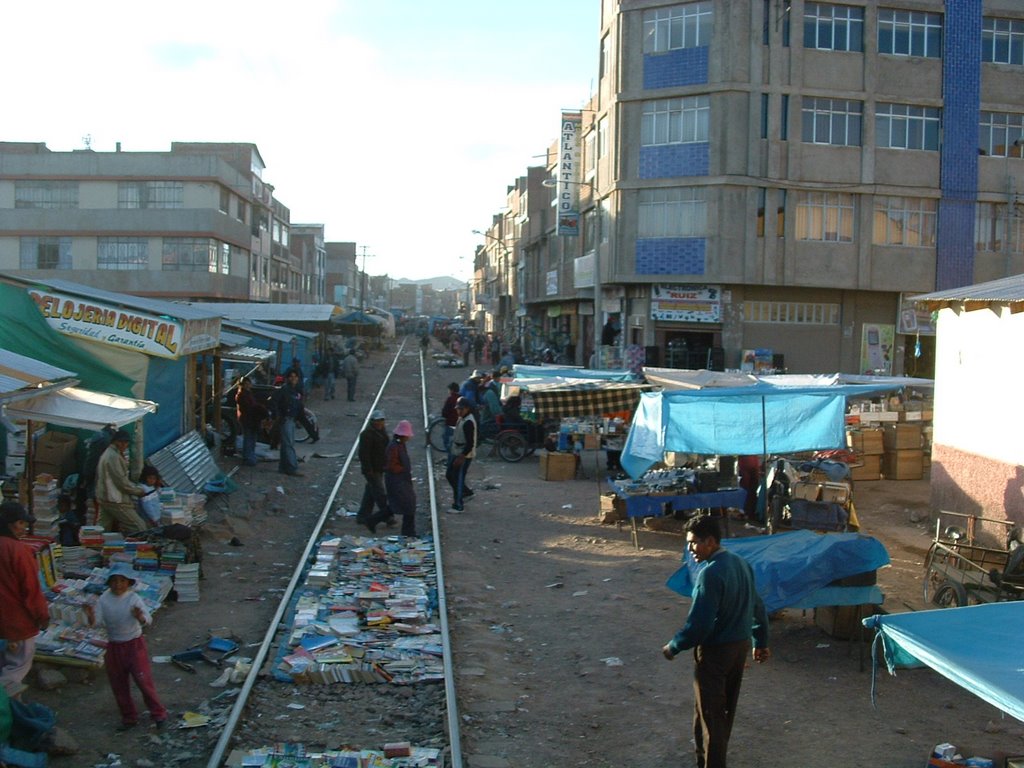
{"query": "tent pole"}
{"type": "Point", "coordinates": [764, 459]}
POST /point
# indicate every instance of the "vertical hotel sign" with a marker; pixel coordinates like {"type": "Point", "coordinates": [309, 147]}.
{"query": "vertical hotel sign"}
{"type": "Point", "coordinates": [569, 167]}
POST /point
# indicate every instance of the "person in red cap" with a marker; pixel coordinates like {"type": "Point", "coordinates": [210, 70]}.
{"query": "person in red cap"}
{"type": "Point", "coordinates": [398, 478]}
{"type": "Point", "coordinates": [24, 611]}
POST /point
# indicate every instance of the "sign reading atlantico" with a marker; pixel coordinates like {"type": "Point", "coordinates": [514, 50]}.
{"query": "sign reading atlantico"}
{"type": "Point", "coordinates": [569, 167]}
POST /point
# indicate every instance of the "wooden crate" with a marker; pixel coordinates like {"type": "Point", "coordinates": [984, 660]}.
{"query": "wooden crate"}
{"type": "Point", "coordinates": [900, 437]}
{"type": "Point", "coordinates": [868, 467]}
{"type": "Point", "coordinates": [903, 465]}
{"type": "Point", "coordinates": [557, 466]}
{"type": "Point", "coordinates": [866, 441]}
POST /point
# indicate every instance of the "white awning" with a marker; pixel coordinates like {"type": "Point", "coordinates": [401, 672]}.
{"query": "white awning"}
{"type": "Point", "coordinates": [80, 409]}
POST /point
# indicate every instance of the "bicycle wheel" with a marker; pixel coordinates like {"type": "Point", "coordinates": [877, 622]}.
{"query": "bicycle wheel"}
{"type": "Point", "coordinates": [435, 434]}
{"type": "Point", "coordinates": [512, 446]}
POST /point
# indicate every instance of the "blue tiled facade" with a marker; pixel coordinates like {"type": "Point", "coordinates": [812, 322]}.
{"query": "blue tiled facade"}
{"type": "Point", "coordinates": [683, 66]}
{"type": "Point", "coordinates": [670, 256]}
{"type": "Point", "coordinates": [671, 160]}
{"type": "Point", "coordinates": [961, 94]}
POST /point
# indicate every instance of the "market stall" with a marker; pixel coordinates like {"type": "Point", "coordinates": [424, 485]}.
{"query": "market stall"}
{"type": "Point", "coordinates": [977, 647]}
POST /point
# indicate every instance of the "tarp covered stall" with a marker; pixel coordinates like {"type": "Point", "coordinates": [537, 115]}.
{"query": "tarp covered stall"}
{"type": "Point", "coordinates": [791, 567]}
{"type": "Point", "coordinates": [672, 378]}
{"type": "Point", "coordinates": [977, 647]}
{"type": "Point", "coordinates": [590, 398]}
{"type": "Point", "coordinates": [759, 419]}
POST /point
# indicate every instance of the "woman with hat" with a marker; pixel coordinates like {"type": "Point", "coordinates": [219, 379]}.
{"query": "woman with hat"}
{"type": "Point", "coordinates": [24, 611]}
{"type": "Point", "coordinates": [398, 478]}
{"type": "Point", "coordinates": [122, 614]}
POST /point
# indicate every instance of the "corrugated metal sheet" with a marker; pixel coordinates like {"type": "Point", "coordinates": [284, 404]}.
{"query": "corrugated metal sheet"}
{"type": "Point", "coordinates": [18, 373]}
{"type": "Point", "coordinates": [246, 354]}
{"type": "Point", "coordinates": [292, 313]}
{"type": "Point", "coordinates": [1007, 290]}
{"type": "Point", "coordinates": [274, 333]}
{"type": "Point", "coordinates": [186, 465]}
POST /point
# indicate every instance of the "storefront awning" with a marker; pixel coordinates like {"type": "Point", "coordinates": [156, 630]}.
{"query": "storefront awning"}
{"type": "Point", "coordinates": [79, 409]}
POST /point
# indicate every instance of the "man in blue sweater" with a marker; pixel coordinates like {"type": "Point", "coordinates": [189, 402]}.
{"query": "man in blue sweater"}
{"type": "Point", "coordinates": [724, 613]}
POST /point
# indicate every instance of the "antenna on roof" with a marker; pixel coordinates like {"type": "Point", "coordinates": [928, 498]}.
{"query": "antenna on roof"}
{"type": "Point", "coordinates": [87, 140]}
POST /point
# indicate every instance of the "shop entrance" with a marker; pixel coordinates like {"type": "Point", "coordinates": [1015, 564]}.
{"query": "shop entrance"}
{"type": "Point", "coordinates": [691, 349]}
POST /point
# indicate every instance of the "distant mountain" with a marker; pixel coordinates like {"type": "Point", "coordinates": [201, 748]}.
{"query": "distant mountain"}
{"type": "Point", "coordinates": [437, 283]}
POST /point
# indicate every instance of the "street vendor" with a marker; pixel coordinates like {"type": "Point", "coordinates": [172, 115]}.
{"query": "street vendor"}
{"type": "Point", "coordinates": [115, 491]}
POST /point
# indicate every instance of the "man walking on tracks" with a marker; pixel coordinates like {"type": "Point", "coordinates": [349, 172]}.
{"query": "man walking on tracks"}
{"type": "Point", "coordinates": [288, 409]}
{"type": "Point", "coordinates": [350, 370]}
{"type": "Point", "coordinates": [462, 453]}
{"type": "Point", "coordinates": [725, 612]}
{"type": "Point", "coordinates": [373, 446]}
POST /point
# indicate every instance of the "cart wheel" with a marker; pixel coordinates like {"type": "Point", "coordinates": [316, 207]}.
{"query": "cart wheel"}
{"type": "Point", "coordinates": [950, 595]}
{"type": "Point", "coordinates": [930, 584]}
{"type": "Point", "coordinates": [512, 446]}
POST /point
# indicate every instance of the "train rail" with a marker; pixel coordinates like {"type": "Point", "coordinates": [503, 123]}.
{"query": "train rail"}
{"type": "Point", "coordinates": [258, 675]}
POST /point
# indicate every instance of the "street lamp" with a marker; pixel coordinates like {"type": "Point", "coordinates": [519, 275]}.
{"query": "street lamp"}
{"type": "Point", "coordinates": [598, 208]}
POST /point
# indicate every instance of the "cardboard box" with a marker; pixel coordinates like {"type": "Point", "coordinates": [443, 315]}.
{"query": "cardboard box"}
{"type": "Point", "coordinates": [869, 467]}
{"type": "Point", "coordinates": [55, 454]}
{"type": "Point", "coordinates": [903, 465]}
{"type": "Point", "coordinates": [557, 466]}
{"type": "Point", "coordinates": [837, 492]}
{"type": "Point", "coordinates": [900, 437]}
{"type": "Point", "coordinates": [867, 441]}
{"type": "Point", "coordinates": [613, 509]}
{"type": "Point", "coordinates": [591, 442]}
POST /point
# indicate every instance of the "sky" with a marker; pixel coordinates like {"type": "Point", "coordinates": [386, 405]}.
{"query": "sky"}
{"type": "Point", "coordinates": [398, 124]}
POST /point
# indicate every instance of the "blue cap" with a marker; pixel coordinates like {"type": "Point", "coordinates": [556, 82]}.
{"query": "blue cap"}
{"type": "Point", "coordinates": [122, 569]}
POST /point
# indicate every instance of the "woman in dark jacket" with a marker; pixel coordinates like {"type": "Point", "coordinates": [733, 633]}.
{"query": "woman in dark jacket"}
{"type": "Point", "coordinates": [398, 478]}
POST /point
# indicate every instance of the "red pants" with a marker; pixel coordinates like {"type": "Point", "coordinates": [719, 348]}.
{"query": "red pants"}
{"type": "Point", "coordinates": [130, 661]}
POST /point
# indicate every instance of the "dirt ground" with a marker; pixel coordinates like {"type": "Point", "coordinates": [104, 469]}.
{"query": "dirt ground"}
{"type": "Point", "coordinates": [557, 624]}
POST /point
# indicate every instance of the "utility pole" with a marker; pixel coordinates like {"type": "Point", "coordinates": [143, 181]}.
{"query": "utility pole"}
{"type": "Point", "coordinates": [365, 283]}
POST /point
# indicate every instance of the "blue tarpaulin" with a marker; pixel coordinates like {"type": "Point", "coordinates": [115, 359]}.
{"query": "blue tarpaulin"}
{"type": "Point", "coordinates": [977, 647]}
{"type": "Point", "coordinates": [788, 567]}
{"type": "Point", "coordinates": [760, 419]}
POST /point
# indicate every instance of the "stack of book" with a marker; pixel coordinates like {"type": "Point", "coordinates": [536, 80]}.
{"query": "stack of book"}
{"type": "Point", "coordinates": [186, 582]}
{"type": "Point", "coordinates": [44, 506]}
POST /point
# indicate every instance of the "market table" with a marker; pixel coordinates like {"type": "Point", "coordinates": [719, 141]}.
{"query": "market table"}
{"type": "Point", "coordinates": [640, 505]}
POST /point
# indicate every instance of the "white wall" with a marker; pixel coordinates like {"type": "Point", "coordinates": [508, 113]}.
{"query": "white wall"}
{"type": "Point", "coordinates": [978, 369]}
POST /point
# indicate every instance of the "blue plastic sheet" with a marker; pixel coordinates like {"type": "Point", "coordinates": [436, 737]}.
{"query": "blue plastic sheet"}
{"type": "Point", "coordinates": [977, 647]}
{"type": "Point", "coordinates": [789, 567]}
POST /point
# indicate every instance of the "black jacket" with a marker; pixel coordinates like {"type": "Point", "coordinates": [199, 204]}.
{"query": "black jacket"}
{"type": "Point", "coordinates": [373, 444]}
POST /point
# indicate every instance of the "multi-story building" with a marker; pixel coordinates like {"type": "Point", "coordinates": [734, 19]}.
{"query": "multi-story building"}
{"type": "Point", "coordinates": [780, 175]}
{"type": "Point", "coordinates": [197, 222]}
{"type": "Point", "coordinates": [342, 282]}
{"type": "Point", "coordinates": [309, 258]}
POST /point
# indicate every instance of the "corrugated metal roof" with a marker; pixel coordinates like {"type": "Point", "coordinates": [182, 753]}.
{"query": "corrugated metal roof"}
{"type": "Point", "coordinates": [186, 465]}
{"type": "Point", "coordinates": [281, 329]}
{"type": "Point", "coordinates": [19, 373]}
{"type": "Point", "coordinates": [263, 330]}
{"type": "Point", "coordinates": [229, 339]}
{"type": "Point", "coordinates": [289, 313]}
{"type": "Point", "coordinates": [246, 355]}
{"type": "Point", "coordinates": [1006, 290]}
{"type": "Point", "coordinates": [156, 306]}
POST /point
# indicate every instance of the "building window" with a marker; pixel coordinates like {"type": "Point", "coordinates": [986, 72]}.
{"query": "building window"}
{"type": "Point", "coordinates": [150, 194]}
{"type": "Point", "coordinates": [762, 195]}
{"type": "Point", "coordinates": [902, 126]}
{"type": "Point", "coordinates": [1002, 41]}
{"type": "Point", "coordinates": [764, 115]}
{"type": "Point", "coordinates": [45, 252]}
{"type": "Point", "coordinates": [241, 210]}
{"type": "Point", "coordinates": [908, 221]}
{"type": "Point", "coordinates": [225, 200]}
{"type": "Point", "coordinates": [791, 313]}
{"type": "Point", "coordinates": [784, 118]}
{"type": "Point", "coordinates": [602, 137]}
{"type": "Point", "coordinates": [830, 27]}
{"type": "Point", "coordinates": [605, 54]}
{"type": "Point", "coordinates": [45, 194]}
{"type": "Point", "coordinates": [190, 254]}
{"type": "Point", "coordinates": [680, 26]}
{"type": "Point", "coordinates": [674, 212]}
{"type": "Point", "coordinates": [1001, 134]}
{"type": "Point", "coordinates": [909, 33]}
{"type": "Point", "coordinates": [122, 253]}
{"type": "Point", "coordinates": [780, 215]}
{"type": "Point", "coordinates": [995, 231]}
{"type": "Point", "coordinates": [589, 154]}
{"type": "Point", "coordinates": [824, 216]}
{"type": "Point", "coordinates": [831, 121]}
{"type": "Point", "coordinates": [675, 121]}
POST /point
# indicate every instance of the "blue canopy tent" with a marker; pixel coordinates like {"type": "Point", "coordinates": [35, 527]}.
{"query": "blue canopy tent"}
{"type": "Point", "coordinates": [977, 647]}
{"type": "Point", "coordinates": [761, 418]}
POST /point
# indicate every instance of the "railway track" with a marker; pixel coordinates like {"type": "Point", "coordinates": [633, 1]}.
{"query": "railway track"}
{"type": "Point", "coordinates": [354, 715]}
